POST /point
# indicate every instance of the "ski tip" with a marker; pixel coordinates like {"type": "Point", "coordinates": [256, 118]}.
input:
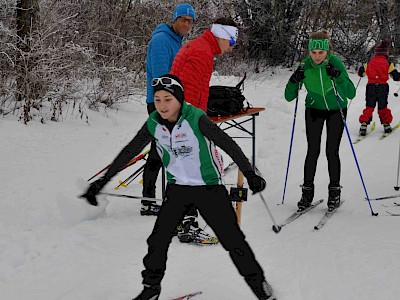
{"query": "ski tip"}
{"type": "Point", "coordinates": [276, 228]}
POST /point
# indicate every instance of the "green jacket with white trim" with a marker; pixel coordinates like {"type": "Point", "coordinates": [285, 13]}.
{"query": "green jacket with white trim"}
{"type": "Point", "coordinates": [320, 91]}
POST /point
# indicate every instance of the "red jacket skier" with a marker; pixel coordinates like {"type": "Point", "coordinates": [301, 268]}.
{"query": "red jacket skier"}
{"type": "Point", "coordinates": [194, 63]}
{"type": "Point", "coordinates": [378, 70]}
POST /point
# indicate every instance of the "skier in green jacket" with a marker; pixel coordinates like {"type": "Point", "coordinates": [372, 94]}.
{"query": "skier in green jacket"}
{"type": "Point", "coordinates": [316, 72]}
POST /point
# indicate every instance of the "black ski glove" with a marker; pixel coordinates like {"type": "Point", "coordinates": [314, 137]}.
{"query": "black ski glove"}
{"type": "Point", "coordinates": [395, 75]}
{"type": "Point", "coordinates": [361, 71]}
{"type": "Point", "coordinates": [298, 75]}
{"type": "Point", "coordinates": [332, 71]}
{"type": "Point", "coordinates": [256, 183]}
{"type": "Point", "coordinates": [94, 188]}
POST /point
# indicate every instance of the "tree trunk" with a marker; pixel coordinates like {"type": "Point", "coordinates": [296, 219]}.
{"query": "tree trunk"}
{"type": "Point", "coordinates": [27, 14]}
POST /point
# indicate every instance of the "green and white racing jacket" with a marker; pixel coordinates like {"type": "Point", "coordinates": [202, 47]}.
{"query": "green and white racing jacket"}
{"type": "Point", "coordinates": [187, 148]}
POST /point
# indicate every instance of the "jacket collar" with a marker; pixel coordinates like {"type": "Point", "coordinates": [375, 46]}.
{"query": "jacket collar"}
{"type": "Point", "coordinates": [212, 41]}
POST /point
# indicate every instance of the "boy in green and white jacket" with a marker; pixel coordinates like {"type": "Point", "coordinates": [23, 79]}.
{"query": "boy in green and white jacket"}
{"type": "Point", "coordinates": [186, 140]}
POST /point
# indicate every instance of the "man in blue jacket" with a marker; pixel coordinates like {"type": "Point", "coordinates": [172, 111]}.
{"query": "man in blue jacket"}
{"type": "Point", "coordinates": [166, 40]}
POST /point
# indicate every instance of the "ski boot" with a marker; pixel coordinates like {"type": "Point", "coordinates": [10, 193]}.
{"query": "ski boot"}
{"type": "Point", "coordinates": [307, 196]}
{"type": "Point", "coordinates": [334, 196]}
{"type": "Point", "coordinates": [261, 288]}
{"type": "Point", "coordinates": [150, 292]}
{"type": "Point", "coordinates": [387, 128]}
{"type": "Point", "coordinates": [363, 129]}
{"type": "Point", "coordinates": [187, 229]}
{"type": "Point", "coordinates": [150, 208]}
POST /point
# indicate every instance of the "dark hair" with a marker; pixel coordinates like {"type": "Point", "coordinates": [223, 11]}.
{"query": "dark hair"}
{"type": "Point", "coordinates": [323, 34]}
{"type": "Point", "coordinates": [226, 21]}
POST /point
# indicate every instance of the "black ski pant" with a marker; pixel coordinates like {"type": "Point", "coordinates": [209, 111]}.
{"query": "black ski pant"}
{"type": "Point", "coordinates": [215, 207]}
{"type": "Point", "coordinates": [315, 119]}
{"type": "Point", "coordinates": [377, 93]}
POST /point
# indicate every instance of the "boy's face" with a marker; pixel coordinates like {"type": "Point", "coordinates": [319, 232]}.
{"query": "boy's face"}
{"type": "Point", "coordinates": [167, 105]}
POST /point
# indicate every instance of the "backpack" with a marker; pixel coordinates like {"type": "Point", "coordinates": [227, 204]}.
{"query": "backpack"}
{"type": "Point", "coordinates": [226, 100]}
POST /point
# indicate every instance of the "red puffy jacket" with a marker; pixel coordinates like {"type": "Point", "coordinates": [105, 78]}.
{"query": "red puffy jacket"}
{"type": "Point", "coordinates": [194, 64]}
{"type": "Point", "coordinates": [377, 70]}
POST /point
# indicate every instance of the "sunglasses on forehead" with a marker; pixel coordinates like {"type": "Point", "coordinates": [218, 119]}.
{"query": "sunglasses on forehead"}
{"type": "Point", "coordinates": [165, 81]}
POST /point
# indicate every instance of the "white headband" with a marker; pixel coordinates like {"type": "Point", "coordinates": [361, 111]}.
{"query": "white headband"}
{"type": "Point", "coordinates": [224, 31]}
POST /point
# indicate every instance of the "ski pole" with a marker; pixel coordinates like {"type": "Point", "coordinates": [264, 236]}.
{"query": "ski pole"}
{"type": "Point", "coordinates": [135, 174]}
{"type": "Point", "coordinates": [397, 93]}
{"type": "Point", "coordinates": [351, 101]}
{"type": "Point", "coordinates": [398, 168]}
{"type": "Point", "coordinates": [358, 82]}
{"type": "Point", "coordinates": [133, 161]}
{"type": "Point", "coordinates": [276, 228]}
{"type": "Point", "coordinates": [129, 196]}
{"type": "Point", "coordinates": [351, 145]}
{"type": "Point", "coordinates": [291, 141]}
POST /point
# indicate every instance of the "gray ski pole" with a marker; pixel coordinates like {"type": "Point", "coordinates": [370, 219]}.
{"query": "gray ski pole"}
{"type": "Point", "coordinates": [397, 93]}
{"type": "Point", "coordinates": [398, 168]}
{"type": "Point", "coordinates": [276, 228]}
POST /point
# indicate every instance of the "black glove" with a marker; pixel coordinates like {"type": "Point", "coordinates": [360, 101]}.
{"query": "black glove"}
{"type": "Point", "coordinates": [332, 71]}
{"type": "Point", "coordinates": [361, 71]}
{"type": "Point", "coordinates": [298, 75]}
{"type": "Point", "coordinates": [395, 75]}
{"type": "Point", "coordinates": [256, 183]}
{"type": "Point", "coordinates": [94, 188]}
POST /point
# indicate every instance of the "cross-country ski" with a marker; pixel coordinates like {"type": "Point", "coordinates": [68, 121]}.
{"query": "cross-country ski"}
{"type": "Point", "coordinates": [299, 213]}
{"type": "Point", "coordinates": [328, 214]}
{"type": "Point", "coordinates": [386, 134]}
{"type": "Point", "coordinates": [362, 137]}
{"type": "Point", "coordinates": [188, 296]}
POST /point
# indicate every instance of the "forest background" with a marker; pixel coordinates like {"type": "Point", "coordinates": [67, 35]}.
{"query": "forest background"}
{"type": "Point", "coordinates": [70, 55]}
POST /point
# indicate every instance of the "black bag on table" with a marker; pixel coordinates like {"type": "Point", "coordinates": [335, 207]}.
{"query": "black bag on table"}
{"type": "Point", "coordinates": [226, 100]}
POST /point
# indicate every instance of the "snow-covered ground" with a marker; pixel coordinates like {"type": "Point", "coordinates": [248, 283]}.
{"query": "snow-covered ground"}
{"type": "Point", "coordinates": [48, 253]}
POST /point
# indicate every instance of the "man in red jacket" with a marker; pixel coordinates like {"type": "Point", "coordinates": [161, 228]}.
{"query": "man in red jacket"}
{"type": "Point", "coordinates": [194, 64]}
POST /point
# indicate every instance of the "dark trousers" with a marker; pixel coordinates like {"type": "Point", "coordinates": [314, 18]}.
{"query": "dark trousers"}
{"type": "Point", "coordinates": [376, 93]}
{"type": "Point", "coordinates": [214, 205]}
{"type": "Point", "coordinates": [315, 119]}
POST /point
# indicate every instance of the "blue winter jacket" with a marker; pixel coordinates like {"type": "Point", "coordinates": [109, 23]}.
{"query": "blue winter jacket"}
{"type": "Point", "coordinates": [163, 47]}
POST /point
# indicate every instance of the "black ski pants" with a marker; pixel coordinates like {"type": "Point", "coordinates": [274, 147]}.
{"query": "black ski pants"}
{"type": "Point", "coordinates": [214, 205]}
{"type": "Point", "coordinates": [377, 93]}
{"type": "Point", "coordinates": [315, 119]}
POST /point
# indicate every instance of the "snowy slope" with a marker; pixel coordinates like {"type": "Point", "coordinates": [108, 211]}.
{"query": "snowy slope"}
{"type": "Point", "coordinates": [45, 256]}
